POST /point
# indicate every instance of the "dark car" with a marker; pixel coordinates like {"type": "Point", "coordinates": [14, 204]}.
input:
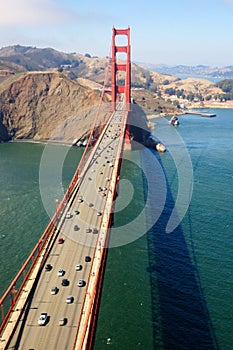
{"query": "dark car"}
{"type": "Point", "coordinates": [65, 282]}
{"type": "Point", "coordinates": [48, 267]}
{"type": "Point", "coordinates": [87, 258]}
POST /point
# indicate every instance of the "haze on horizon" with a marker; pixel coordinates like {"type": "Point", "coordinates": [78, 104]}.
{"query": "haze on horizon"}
{"type": "Point", "coordinates": [162, 32]}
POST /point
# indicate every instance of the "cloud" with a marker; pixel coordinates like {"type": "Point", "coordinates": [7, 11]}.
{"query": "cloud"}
{"type": "Point", "coordinates": [32, 12]}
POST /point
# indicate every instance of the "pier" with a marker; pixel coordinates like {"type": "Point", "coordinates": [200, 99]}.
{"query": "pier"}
{"type": "Point", "coordinates": [202, 114]}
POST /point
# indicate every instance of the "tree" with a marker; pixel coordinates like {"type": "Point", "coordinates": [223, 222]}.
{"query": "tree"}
{"type": "Point", "coordinates": [226, 85]}
{"type": "Point", "coordinates": [176, 103]}
{"type": "Point", "coordinates": [190, 96]}
{"type": "Point", "coordinates": [170, 91]}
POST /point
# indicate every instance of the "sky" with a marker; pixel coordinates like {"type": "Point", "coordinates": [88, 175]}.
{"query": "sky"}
{"type": "Point", "coordinates": [172, 32]}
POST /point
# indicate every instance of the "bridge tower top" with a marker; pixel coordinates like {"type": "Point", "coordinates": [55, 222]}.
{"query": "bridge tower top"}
{"type": "Point", "coordinates": [116, 67]}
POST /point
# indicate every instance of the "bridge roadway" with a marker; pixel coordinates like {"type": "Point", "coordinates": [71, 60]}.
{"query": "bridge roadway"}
{"type": "Point", "coordinates": [77, 245]}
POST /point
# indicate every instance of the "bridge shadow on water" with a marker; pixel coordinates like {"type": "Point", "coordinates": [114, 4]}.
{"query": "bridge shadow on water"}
{"type": "Point", "coordinates": [180, 316]}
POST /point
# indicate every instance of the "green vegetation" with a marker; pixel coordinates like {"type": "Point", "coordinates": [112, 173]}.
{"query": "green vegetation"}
{"type": "Point", "coordinates": [227, 86]}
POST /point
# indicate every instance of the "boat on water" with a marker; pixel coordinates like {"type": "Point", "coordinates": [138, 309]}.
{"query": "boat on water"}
{"type": "Point", "coordinates": [160, 147]}
{"type": "Point", "coordinates": [174, 120]}
{"type": "Point", "coordinates": [152, 143]}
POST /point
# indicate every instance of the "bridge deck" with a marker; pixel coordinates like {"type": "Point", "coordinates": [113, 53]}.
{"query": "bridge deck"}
{"type": "Point", "coordinates": [101, 170]}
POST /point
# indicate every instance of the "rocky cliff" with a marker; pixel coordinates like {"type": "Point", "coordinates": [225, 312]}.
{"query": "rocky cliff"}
{"type": "Point", "coordinates": [35, 105]}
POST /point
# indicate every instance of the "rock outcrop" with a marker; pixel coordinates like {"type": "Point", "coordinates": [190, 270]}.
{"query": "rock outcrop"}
{"type": "Point", "coordinates": [45, 105]}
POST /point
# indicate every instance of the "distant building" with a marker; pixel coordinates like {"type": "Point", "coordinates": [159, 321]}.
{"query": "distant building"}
{"type": "Point", "coordinates": [66, 66]}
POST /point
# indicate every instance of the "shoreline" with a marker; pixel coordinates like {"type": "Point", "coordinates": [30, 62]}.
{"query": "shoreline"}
{"type": "Point", "coordinates": [149, 117]}
{"type": "Point", "coordinates": [43, 142]}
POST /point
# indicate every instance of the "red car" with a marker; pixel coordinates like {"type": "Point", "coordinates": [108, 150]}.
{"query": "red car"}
{"type": "Point", "coordinates": [60, 241]}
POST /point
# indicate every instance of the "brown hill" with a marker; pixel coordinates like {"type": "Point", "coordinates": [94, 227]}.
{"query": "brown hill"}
{"type": "Point", "coordinates": [195, 86]}
{"type": "Point", "coordinates": [33, 105]}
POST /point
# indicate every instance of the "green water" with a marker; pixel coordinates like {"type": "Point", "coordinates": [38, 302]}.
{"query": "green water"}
{"type": "Point", "coordinates": [23, 217]}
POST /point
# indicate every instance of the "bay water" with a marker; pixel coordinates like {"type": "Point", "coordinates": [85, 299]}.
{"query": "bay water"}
{"type": "Point", "coordinates": [163, 290]}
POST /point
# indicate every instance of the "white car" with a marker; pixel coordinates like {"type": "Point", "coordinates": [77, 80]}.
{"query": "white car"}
{"type": "Point", "coordinates": [62, 321]}
{"type": "Point", "coordinates": [80, 283]}
{"type": "Point", "coordinates": [68, 215]}
{"type": "Point", "coordinates": [43, 318]}
{"type": "Point", "coordinates": [61, 272]}
{"type": "Point", "coordinates": [54, 290]}
{"type": "Point", "coordinates": [69, 299]}
{"type": "Point", "coordinates": [78, 267]}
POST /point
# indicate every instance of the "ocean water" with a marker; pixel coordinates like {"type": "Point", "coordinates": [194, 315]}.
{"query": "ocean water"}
{"type": "Point", "coordinates": [172, 287]}
{"type": "Point", "coordinates": [23, 217]}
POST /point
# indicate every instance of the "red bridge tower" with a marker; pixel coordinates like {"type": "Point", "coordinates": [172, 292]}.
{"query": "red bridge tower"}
{"type": "Point", "coordinates": [116, 67]}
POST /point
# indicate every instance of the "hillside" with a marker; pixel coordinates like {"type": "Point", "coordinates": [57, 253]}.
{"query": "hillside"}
{"type": "Point", "coordinates": [191, 90]}
{"type": "Point", "coordinates": [27, 58]}
{"type": "Point", "coordinates": [36, 104]}
{"type": "Point", "coordinates": [20, 59]}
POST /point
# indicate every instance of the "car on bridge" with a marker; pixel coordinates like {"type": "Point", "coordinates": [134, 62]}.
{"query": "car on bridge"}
{"type": "Point", "coordinates": [43, 318]}
{"type": "Point", "coordinates": [81, 282]}
{"type": "Point", "coordinates": [61, 272]}
{"type": "Point", "coordinates": [68, 215]}
{"type": "Point", "coordinates": [69, 299]}
{"type": "Point", "coordinates": [65, 282]}
{"type": "Point", "coordinates": [48, 267]}
{"type": "Point", "coordinates": [54, 290]}
{"type": "Point", "coordinates": [62, 321]}
{"type": "Point", "coordinates": [78, 267]}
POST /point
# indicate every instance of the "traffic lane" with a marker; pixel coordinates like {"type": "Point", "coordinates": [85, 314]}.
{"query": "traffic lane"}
{"type": "Point", "coordinates": [43, 297]}
{"type": "Point", "coordinates": [56, 308]}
